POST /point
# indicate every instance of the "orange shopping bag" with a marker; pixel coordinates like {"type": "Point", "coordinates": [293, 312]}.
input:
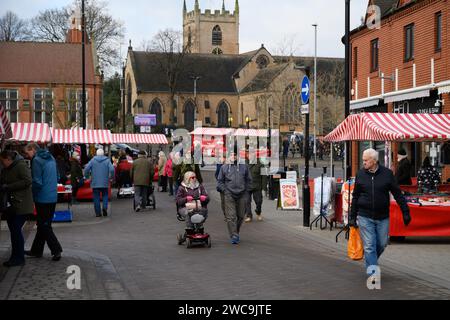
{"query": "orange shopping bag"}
{"type": "Point", "coordinates": [355, 247]}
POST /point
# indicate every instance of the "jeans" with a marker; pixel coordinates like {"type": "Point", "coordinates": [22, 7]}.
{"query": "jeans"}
{"type": "Point", "coordinates": [15, 225]}
{"type": "Point", "coordinates": [375, 235]}
{"type": "Point", "coordinates": [45, 212]}
{"type": "Point", "coordinates": [258, 198]}
{"type": "Point", "coordinates": [104, 193]}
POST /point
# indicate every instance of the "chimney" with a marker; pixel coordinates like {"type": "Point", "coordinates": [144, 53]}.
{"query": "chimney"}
{"type": "Point", "coordinates": [74, 35]}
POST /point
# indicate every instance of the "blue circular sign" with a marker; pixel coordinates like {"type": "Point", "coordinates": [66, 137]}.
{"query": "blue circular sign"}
{"type": "Point", "coordinates": [306, 86]}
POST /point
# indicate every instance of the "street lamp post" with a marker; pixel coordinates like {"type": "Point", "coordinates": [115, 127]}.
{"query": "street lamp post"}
{"type": "Point", "coordinates": [247, 121]}
{"type": "Point", "coordinates": [195, 78]}
{"type": "Point", "coordinates": [83, 67]}
{"type": "Point", "coordinates": [230, 121]}
{"type": "Point", "coordinates": [315, 95]}
{"type": "Point", "coordinates": [348, 169]}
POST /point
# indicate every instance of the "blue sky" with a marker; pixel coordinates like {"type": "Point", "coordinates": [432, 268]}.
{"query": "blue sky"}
{"type": "Point", "coordinates": [271, 22]}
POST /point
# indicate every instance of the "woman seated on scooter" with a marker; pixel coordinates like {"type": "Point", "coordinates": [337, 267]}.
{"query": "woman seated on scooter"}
{"type": "Point", "coordinates": [191, 197]}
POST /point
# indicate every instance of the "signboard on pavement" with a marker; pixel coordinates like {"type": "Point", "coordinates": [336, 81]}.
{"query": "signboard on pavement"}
{"type": "Point", "coordinates": [289, 195]}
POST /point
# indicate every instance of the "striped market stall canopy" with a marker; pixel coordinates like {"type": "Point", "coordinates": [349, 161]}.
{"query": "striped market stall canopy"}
{"type": "Point", "coordinates": [213, 131]}
{"type": "Point", "coordinates": [31, 132]}
{"type": "Point", "coordinates": [140, 138]}
{"type": "Point", "coordinates": [392, 127]}
{"type": "Point", "coordinates": [5, 125]}
{"type": "Point", "coordinates": [81, 136]}
{"type": "Point", "coordinates": [252, 133]}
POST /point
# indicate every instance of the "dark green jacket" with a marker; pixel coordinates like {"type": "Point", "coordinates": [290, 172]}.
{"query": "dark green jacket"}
{"type": "Point", "coordinates": [18, 180]}
{"type": "Point", "coordinates": [259, 181]}
{"type": "Point", "coordinates": [76, 173]}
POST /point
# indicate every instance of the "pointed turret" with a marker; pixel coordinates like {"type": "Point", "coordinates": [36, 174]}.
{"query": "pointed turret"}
{"type": "Point", "coordinates": [223, 6]}
{"type": "Point", "coordinates": [197, 6]}
{"type": "Point", "coordinates": [184, 8]}
{"type": "Point", "coordinates": [236, 7]}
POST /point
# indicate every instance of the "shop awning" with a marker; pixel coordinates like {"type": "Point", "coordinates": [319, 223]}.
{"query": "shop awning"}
{"type": "Point", "coordinates": [140, 138]}
{"type": "Point", "coordinates": [408, 94]}
{"type": "Point", "coordinates": [81, 136]}
{"type": "Point", "coordinates": [31, 132]}
{"type": "Point", "coordinates": [392, 127]}
{"type": "Point", "coordinates": [364, 103]}
{"type": "Point", "coordinates": [263, 133]}
{"type": "Point", "coordinates": [213, 131]}
{"type": "Point", "coordinates": [5, 125]}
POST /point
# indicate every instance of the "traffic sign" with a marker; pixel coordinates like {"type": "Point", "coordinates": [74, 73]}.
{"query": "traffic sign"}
{"type": "Point", "coordinates": [306, 85]}
{"type": "Point", "coordinates": [304, 109]}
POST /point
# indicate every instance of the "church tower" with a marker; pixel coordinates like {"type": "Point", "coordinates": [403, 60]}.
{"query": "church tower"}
{"type": "Point", "coordinates": [211, 32]}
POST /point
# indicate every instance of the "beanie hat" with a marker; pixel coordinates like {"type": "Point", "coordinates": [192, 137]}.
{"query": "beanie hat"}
{"type": "Point", "coordinates": [100, 152]}
{"type": "Point", "coordinates": [402, 152]}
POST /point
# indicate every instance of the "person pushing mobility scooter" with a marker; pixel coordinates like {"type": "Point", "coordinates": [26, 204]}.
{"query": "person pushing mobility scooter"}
{"type": "Point", "coordinates": [192, 201]}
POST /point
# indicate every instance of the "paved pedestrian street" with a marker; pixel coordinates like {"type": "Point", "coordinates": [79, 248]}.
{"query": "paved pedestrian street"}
{"type": "Point", "coordinates": [135, 256]}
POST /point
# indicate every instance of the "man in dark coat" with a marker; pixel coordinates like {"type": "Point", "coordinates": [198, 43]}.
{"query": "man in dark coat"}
{"type": "Point", "coordinates": [403, 174]}
{"type": "Point", "coordinates": [371, 204]}
{"type": "Point", "coordinates": [15, 181]}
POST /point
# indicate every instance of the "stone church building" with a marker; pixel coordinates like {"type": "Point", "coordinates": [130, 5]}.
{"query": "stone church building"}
{"type": "Point", "coordinates": [214, 83]}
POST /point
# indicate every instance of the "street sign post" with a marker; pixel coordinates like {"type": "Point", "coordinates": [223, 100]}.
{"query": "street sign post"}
{"type": "Point", "coordinates": [306, 85]}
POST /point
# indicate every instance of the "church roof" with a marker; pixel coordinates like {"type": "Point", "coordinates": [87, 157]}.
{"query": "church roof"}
{"type": "Point", "coordinates": [264, 78]}
{"type": "Point", "coordinates": [216, 72]}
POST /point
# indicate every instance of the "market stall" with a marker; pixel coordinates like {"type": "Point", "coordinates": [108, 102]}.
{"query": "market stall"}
{"type": "Point", "coordinates": [30, 132]}
{"type": "Point", "coordinates": [260, 136]}
{"type": "Point", "coordinates": [213, 141]}
{"type": "Point", "coordinates": [82, 136]}
{"type": "Point", "coordinates": [430, 217]}
{"type": "Point", "coordinates": [5, 125]}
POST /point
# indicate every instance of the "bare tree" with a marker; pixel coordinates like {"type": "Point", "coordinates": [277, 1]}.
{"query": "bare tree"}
{"type": "Point", "coordinates": [169, 43]}
{"type": "Point", "coordinates": [106, 32]}
{"type": "Point", "coordinates": [288, 46]}
{"type": "Point", "coordinates": [12, 28]}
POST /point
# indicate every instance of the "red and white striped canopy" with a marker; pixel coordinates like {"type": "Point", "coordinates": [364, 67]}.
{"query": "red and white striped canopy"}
{"type": "Point", "coordinates": [213, 131]}
{"type": "Point", "coordinates": [81, 136]}
{"type": "Point", "coordinates": [251, 133]}
{"type": "Point", "coordinates": [31, 132]}
{"type": "Point", "coordinates": [140, 138]}
{"type": "Point", "coordinates": [5, 125]}
{"type": "Point", "coordinates": [392, 127]}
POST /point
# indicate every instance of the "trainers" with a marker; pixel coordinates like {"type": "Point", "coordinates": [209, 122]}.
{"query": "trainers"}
{"type": "Point", "coordinates": [248, 219]}
{"type": "Point", "coordinates": [260, 218]}
{"type": "Point", "coordinates": [105, 212]}
{"type": "Point", "coordinates": [235, 240]}
{"type": "Point", "coordinates": [138, 208]}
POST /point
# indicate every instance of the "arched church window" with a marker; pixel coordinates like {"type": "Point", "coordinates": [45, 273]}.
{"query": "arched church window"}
{"type": "Point", "coordinates": [189, 115]}
{"type": "Point", "coordinates": [156, 109]}
{"type": "Point", "coordinates": [217, 36]}
{"type": "Point", "coordinates": [262, 61]}
{"type": "Point", "coordinates": [217, 51]}
{"type": "Point", "coordinates": [129, 96]}
{"type": "Point", "coordinates": [222, 115]}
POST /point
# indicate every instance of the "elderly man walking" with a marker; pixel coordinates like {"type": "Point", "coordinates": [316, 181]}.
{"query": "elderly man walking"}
{"type": "Point", "coordinates": [370, 207]}
{"type": "Point", "coordinates": [142, 176]}
{"type": "Point", "coordinates": [234, 182]}
{"type": "Point", "coordinates": [101, 170]}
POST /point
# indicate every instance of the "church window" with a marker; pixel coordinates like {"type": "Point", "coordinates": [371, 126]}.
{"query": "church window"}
{"type": "Point", "coordinates": [217, 36]}
{"type": "Point", "coordinates": [217, 51]}
{"type": "Point", "coordinates": [262, 61]}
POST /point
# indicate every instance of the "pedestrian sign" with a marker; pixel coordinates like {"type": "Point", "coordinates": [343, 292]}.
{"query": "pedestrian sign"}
{"type": "Point", "coordinates": [306, 85]}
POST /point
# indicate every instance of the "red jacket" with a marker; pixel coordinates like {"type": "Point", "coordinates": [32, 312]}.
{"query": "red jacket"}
{"type": "Point", "coordinates": [168, 171]}
{"type": "Point", "coordinates": [123, 165]}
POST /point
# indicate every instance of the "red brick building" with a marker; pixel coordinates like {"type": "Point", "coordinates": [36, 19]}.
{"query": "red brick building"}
{"type": "Point", "coordinates": [42, 82]}
{"type": "Point", "coordinates": [403, 65]}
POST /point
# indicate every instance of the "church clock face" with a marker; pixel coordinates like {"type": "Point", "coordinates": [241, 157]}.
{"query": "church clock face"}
{"type": "Point", "coordinates": [262, 61]}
